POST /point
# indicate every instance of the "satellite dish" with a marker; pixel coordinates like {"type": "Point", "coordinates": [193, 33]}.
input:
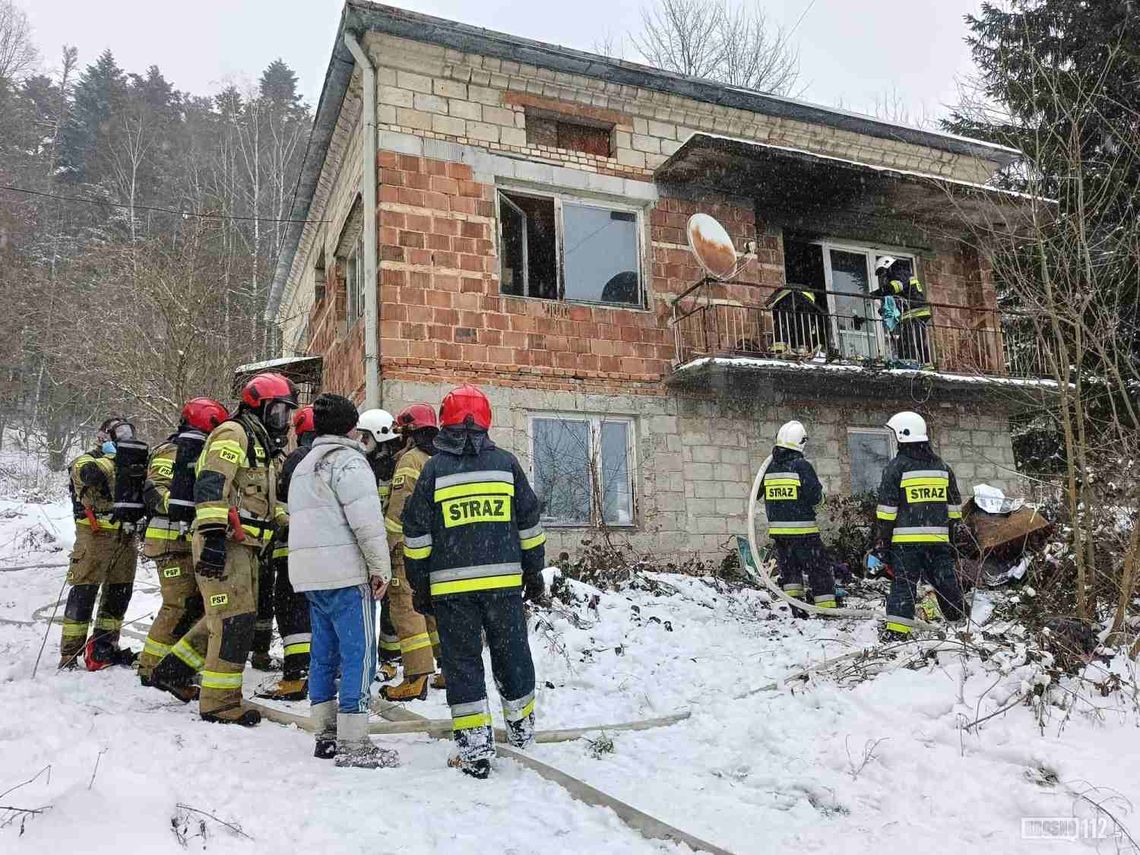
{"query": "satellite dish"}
{"type": "Point", "coordinates": [712, 246]}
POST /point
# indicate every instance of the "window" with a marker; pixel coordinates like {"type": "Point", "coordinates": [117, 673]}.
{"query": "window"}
{"type": "Point", "coordinates": [847, 273]}
{"type": "Point", "coordinates": [354, 282]}
{"type": "Point", "coordinates": [319, 281]}
{"type": "Point", "coordinates": [559, 248]}
{"type": "Point", "coordinates": [559, 132]}
{"type": "Point", "coordinates": [582, 469]}
{"type": "Point", "coordinates": [870, 450]}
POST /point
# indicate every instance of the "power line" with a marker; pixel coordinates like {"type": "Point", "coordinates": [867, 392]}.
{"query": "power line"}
{"type": "Point", "coordinates": [803, 14]}
{"type": "Point", "coordinates": [205, 216]}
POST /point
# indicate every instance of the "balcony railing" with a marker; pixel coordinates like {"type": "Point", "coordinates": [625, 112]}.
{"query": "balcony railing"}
{"type": "Point", "coordinates": [847, 328]}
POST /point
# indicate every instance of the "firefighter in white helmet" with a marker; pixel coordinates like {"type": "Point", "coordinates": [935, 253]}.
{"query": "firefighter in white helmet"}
{"type": "Point", "coordinates": [919, 503]}
{"type": "Point", "coordinates": [792, 492]}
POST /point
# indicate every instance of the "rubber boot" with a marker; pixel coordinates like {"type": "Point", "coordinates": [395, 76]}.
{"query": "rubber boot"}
{"type": "Point", "coordinates": [173, 675]}
{"type": "Point", "coordinates": [287, 690]}
{"type": "Point", "coordinates": [323, 716]}
{"type": "Point", "coordinates": [248, 718]}
{"type": "Point", "coordinates": [520, 733]}
{"type": "Point", "coordinates": [475, 746]}
{"type": "Point", "coordinates": [354, 747]}
{"type": "Point", "coordinates": [261, 661]}
{"type": "Point", "coordinates": [411, 689]}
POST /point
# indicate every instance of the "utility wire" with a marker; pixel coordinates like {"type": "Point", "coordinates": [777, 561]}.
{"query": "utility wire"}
{"type": "Point", "coordinates": [803, 14]}
{"type": "Point", "coordinates": [205, 216]}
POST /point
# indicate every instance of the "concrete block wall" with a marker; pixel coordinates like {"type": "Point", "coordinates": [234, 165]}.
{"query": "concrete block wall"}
{"type": "Point", "coordinates": [696, 457]}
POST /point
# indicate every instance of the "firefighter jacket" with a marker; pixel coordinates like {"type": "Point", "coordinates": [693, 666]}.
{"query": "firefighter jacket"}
{"type": "Point", "coordinates": [472, 522]}
{"type": "Point", "coordinates": [791, 492]}
{"type": "Point", "coordinates": [409, 464]}
{"type": "Point", "coordinates": [911, 296]}
{"type": "Point", "coordinates": [918, 497]}
{"type": "Point", "coordinates": [92, 488]}
{"type": "Point", "coordinates": [236, 471]}
{"type": "Point", "coordinates": [171, 471]}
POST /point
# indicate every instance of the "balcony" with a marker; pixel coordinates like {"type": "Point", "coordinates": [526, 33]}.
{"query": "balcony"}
{"type": "Point", "coordinates": [847, 346]}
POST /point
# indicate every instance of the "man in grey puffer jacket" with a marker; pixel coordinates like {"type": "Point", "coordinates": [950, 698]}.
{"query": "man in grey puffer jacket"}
{"type": "Point", "coordinates": [338, 556]}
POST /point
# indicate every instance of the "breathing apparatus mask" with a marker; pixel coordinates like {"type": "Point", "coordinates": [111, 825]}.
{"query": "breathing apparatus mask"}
{"type": "Point", "coordinates": [276, 417]}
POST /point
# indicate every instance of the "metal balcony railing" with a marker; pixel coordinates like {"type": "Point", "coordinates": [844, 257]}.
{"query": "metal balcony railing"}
{"type": "Point", "coordinates": [970, 340]}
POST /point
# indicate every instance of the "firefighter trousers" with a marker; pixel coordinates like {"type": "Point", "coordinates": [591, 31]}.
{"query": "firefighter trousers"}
{"type": "Point", "coordinates": [805, 555]}
{"type": "Point", "coordinates": [388, 643]}
{"type": "Point", "coordinates": [102, 568]}
{"type": "Point", "coordinates": [462, 620]}
{"type": "Point", "coordinates": [419, 638]}
{"type": "Point", "coordinates": [276, 598]}
{"type": "Point", "coordinates": [912, 562]}
{"type": "Point", "coordinates": [180, 613]}
{"type": "Point", "coordinates": [231, 609]}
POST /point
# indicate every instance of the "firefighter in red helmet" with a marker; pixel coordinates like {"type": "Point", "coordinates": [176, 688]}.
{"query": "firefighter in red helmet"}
{"type": "Point", "coordinates": [419, 638]}
{"type": "Point", "coordinates": [275, 594]}
{"type": "Point", "coordinates": [236, 513]}
{"type": "Point", "coordinates": [169, 498]}
{"type": "Point", "coordinates": [473, 548]}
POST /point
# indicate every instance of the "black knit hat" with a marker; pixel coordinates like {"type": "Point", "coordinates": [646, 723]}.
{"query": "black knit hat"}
{"type": "Point", "coordinates": [334, 414]}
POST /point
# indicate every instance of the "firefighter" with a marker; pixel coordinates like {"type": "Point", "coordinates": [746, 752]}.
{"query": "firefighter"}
{"type": "Point", "coordinates": [914, 312]}
{"type": "Point", "coordinates": [103, 558]}
{"type": "Point", "coordinates": [290, 608]}
{"type": "Point", "coordinates": [381, 452]}
{"type": "Point", "coordinates": [473, 550]}
{"type": "Point", "coordinates": [918, 504]}
{"type": "Point", "coordinates": [169, 499]}
{"type": "Point", "coordinates": [236, 513]}
{"type": "Point", "coordinates": [419, 639]}
{"type": "Point", "coordinates": [792, 491]}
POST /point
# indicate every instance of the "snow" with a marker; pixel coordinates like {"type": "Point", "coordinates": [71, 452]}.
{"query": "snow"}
{"type": "Point", "coordinates": [753, 362]}
{"type": "Point", "coordinates": [880, 765]}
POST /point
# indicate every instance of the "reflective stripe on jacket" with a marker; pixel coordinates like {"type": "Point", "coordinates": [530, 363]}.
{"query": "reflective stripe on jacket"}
{"type": "Point", "coordinates": [472, 522]}
{"type": "Point", "coordinates": [791, 491]}
{"type": "Point", "coordinates": [918, 497]}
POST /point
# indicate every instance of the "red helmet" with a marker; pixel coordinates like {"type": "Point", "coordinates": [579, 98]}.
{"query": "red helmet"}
{"type": "Point", "coordinates": [417, 416]}
{"type": "Point", "coordinates": [303, 421]}
{"type": "Point", "coordinates": [466, 400]}
{"type": "Point", "coordinates": [204, 414]}
{"type": "Point", "coordinates": [269, 386]}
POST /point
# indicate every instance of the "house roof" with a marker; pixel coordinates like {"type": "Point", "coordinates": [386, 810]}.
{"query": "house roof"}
{"type": "Point", "coordinates": [361, 16]}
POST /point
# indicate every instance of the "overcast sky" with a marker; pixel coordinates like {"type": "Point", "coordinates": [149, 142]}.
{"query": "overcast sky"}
{"type": "Point", "coordinates": [851, 51]}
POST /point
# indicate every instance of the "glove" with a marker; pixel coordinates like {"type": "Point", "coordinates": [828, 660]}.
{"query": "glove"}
{"type": "Point", "coordinates": [212, 561]}
{"type": "Point", "coordinates": [421, 601]}
{"type": "Point", "coordinates": [534, 588]}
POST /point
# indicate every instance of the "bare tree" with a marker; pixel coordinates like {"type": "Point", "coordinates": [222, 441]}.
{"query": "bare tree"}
{"type": "Point", "coordinates": [18, 55]}
{"type": "Point", "coordinates": [705, 38]}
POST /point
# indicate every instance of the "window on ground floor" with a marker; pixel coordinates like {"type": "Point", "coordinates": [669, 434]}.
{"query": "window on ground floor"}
{"type": "Point", "coordinates": [869, 450]}
{"type": "Point", "coordinates": [556, 247]}
{"type": "Point", "coordinates": [582, 469]}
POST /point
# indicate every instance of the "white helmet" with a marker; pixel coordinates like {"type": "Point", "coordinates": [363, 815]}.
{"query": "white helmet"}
{"type": "Point", "coordinates": [379, 424]}
{"type": "Point", "coordinates": [792, 435]}
{"type": "Point", "coordinates": [885, 262]}
{"type": "Point", "coordinates": [908, 427]}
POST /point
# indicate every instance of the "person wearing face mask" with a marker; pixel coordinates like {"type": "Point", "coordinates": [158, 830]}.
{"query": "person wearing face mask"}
{"type": "Point", "coordinates": [103, 558]}
{"type": "Point", "coordinates": [276, 597]}
{"type": "Point", "coordinates": [236, 513]}
{"type": "Point", "coordinates": [377, 432]}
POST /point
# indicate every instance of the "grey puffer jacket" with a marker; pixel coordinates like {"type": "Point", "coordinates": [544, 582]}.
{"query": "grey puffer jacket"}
{"type": "Point", "coordinates": [336, 525]}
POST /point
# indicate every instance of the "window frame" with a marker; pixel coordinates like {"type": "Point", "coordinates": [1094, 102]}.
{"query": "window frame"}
{"type": "Point", "coordinates": [870, 253]}
{"type": "Point", "coordinates": [561, 197]}
{"type": "Point", "coordinates": [892, 450]}
{"type": "Point", "coordinates": [594, 422]}
{"type": "Point", "coordinates": [354, 284]}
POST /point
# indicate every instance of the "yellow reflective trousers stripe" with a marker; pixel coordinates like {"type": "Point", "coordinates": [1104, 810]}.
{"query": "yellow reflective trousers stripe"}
{"type": "Point", "coordinates": [466, 722]}
{"type": "Point", "coordinates": [221, 680]}
{"type": "Point", "coordinates": [415, 642]}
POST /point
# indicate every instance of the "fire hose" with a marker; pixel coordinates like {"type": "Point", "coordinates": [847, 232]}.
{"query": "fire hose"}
{"type": "Point", "coordinates": [766, 577]}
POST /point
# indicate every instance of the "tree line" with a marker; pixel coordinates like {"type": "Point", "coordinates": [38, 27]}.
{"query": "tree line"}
{"type": "Point", "coordinates": [139, 230]}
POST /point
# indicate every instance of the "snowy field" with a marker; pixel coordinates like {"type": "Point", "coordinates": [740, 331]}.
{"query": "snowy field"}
{"type": "Point", "coordinates": [883, 764]}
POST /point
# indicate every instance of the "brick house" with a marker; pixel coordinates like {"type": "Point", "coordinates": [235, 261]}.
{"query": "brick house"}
{"type": "Point", "coordinates": [485, 208]}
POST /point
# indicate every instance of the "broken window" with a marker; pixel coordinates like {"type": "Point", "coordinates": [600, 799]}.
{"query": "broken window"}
{"type": "Point", "coordinates": [559, 132]}
{"type": "Point", "coordinates": [556, 248]}
{"type": "Point", "coordinates": [869, 450]}
{"type": "Point", "coordinates": [582, 469]}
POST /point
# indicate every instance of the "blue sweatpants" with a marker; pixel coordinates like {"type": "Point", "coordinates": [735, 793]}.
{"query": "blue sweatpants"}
{"type": "Point", "coordinates": [344, 641]}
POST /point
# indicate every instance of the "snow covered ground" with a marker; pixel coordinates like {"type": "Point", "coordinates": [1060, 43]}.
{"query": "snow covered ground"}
{"type": "Point", "coordinates": [884, 765]}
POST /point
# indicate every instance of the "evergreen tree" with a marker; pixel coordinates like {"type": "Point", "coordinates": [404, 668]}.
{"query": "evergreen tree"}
{"type": "Point", "coordinates": [99, 97]}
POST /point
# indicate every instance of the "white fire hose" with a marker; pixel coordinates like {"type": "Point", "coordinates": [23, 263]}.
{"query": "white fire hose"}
{"type": "Point", "coordinates": [766, 577]}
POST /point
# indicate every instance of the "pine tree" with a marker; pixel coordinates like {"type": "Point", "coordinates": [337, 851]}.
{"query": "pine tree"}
{"type": "Point", "coordinates": [99, 97]}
